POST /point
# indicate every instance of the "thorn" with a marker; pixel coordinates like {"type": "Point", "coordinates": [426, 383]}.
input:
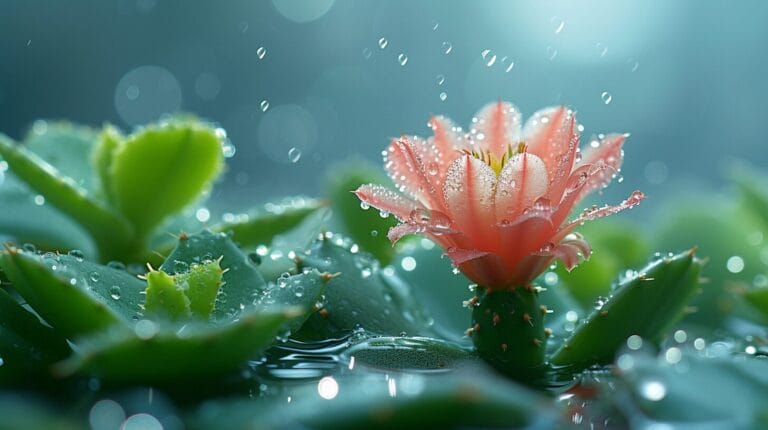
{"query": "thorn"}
{"type": "Point", "coordinates": [221, 257]}
{"type": "Point", "coordinates": [225, 270]}
{"type": "Point", "coordinates": [504, 347]}
{"type": "Point", "coordinates": [496, 319]}
{"type": "Point", "coordinates": [183, 237]}
{"type": "Point", "coordinates": [530, 288]}
{"type": "Point", "coordinates": [328, 276]}
{"type": "Point", "coordinates": [324, 313]}
{"type": "Point", "coordinates": [527, 318]}
{"type": "Point", "coordinates": [142, 277]}
{"type": "Point", "coordinates": [692, 251]}
{"type": "Point", "coordinates": [548, 332]}
{"type": "Point", "coordinates": [160, 255]}
{"type": "Point", "coordinates": [536, 342]}
{"type": "Point", "coordinates": [544, 310]}
{"type": "Point", "coordinates": [603, 313]}
{"type": "Point", "coordinates": [469, 332]}
{"type": "Point", "coordinates": [149, 266]}
{"type": "Point", "coordinates": [476, 328]}
{"type": "Point", "coordinates": [473, 302]}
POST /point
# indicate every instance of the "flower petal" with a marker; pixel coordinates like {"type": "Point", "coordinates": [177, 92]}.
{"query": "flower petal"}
{"type": "Point", "coordinates": [595, 212]}
{"type": "Point", "coordinates": [522, 180]}
{"type": "Point", "coordinates": [551, 134]}
{"type": "Point", "coordinates": [405, 165]}
{"type": "Point", "coordinates": [497, 127]}
{"type": "Point", "coordinates": [607, 151]}
{"type": "Point", "coordinates": [468, 191]}
{"type": "Point", "coordinates": [384, 199]}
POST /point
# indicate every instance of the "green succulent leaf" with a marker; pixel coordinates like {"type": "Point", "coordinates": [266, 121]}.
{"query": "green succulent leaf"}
{"type": "Point", "coordinates": [22, 220]}
{"type": "Point", "coordinates": [75, 296]}
{"type": "Point", "coordinates": [242, 282]}
{"type": "Point", "coordinates": [157, 353]}
{"type": "Point", "coordinates": [166, 296]}
{"type": "Point", "coordinates": [367, 228]}
{"type": "Point", "coordinates": [261, 227]}
{"type": "Point", "coordinates": [101, 159]}
{"type": "Point", "coordinates": [360, 295]}
{"type": "Point", "coordinates": [108, 229]}
{"type": "Point", "coordinates": [645, 304]}
{"type": "Point", "coordinates": [27, 346]}
{"type": "Point", "coordinates": [65, 146]}
{"type": "Point", "coordinates": [466, 398]}
{"type": "Point", "coordinates": [304, 290]}
{"type": "Point", "coordinates": [408, 353]}
{"type": "Point", "coordinates": [436, 287]}
{"type": "Point", "coordinates": [712, 393]}
{"type": "Point", "coordinates": [161, 169]}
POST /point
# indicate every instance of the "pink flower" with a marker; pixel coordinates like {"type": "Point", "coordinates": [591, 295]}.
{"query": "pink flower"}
{"type": "Point", "coordinates": [497, 198]}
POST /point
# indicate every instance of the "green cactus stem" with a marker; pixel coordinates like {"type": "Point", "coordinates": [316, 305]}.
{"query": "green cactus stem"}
{"type": "Point", "coordinates": [508, 331]}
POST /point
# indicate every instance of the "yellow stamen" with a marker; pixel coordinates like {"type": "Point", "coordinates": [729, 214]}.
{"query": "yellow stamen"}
{"type": "Point", "coordinates": [496, 163]}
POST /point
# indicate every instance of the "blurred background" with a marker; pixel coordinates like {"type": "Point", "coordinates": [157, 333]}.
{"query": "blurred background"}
{"type": "Point", "coordinates": [300, 84]}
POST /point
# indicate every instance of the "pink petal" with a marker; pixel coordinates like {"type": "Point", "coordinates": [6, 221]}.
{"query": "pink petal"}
{"type": "Point", "coordinates": [459, 256]}
{"type": "Point", "coordinates": [499, 124]}
{"type": "Point", "coordinates": [405, 165]}
{"type": "Point", "coordinates": [468, 191]}
{"type": "Point", "coordinates": [397, 232]}
{"type": "Point", "coordinates": [595, 212]}
{"type": "Point", "coordinates": [384, 199]}
{"type": "Point", "coordinates": [551, 134]}
{"type": "Point", "coordinates": [570, 251]}
{"type": "Point", "coordinates": [580, 178]}
{"type": "Point", "coordinates": [608, 152]}
{"type": "Point", "coordinates": [522, 180]}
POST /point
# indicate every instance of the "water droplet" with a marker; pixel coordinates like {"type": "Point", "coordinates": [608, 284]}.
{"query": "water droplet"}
{"type": "Point", "coordinates": [402, 59]}
{"type": "Point", "coordinates": [435, 25]}
{"type": "Point", "coordinates": [606, 96]}
{"type": "Point", "coordinates": [145, 329]}
{"type": "Point", "coordinates": [633, 64]}
{"type": "Point", "coordinates": [653, 390]}
{"type": "Point", "coordinates": [203, 215]}
{"type": "Point", "coordinates": [264, 105]}
{"type": "Point", "coordinates": [39, 200]}
{"type": "Point", "coordinates": [367, 52]}
{"type": "Point", "coordinates": [383, 214]}
{"type": "Point", "coordinates": [443, 96]}
{"type": "Point", "coordinates": [735, 264]}
{"type": "Point", "coordinates": [508, 64]}
{"type": "Point", "coordinates": [601, 49]}
{"type": "Point", "coordinates": [261, 52]}
{"type": "Point", "coordinates": [227, 148]}
{"type": "Point", "coordinates": [294, 154]}
{"type": "Point", "coordinates": [432, 168]}
{"type": "Point", "coordinates": [180, 266]}
{"type": "Point", "coordinates": [383, 42]}
{"type": "Point", "coordinates": [551, 53]}
{"type": "Point", "coordinates": [558, 23]}
{"type": "Point", "coordinates": [114, 292]}
{"type": "Point", "coordinates": [77, 255]}
{"type": "Point", "coordinates": [447, 47]}
{"type": "Point", "coordinates": [298, 291]}
{"type": "Point", "coordinates": [680, 336]}
{"type": "Point", "coordinates": [94, 276]}
{"type": "Point", "coordinates": [489, 57]}
{"type": "Point", "coordinates": [440, 79]}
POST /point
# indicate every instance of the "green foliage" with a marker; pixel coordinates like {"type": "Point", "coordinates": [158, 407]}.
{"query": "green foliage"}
{"type": "Point", "coordinates": [646, 304]}
{"type": "Point", "coordinates": [367, 228]}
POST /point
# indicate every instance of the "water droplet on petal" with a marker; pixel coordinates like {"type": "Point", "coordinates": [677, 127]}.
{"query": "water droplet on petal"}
{"type": "Point", "coordinates": [261, 52]}
{"type": "Point", "coordinates": [364, 206]}
{"type": "Point", "coordinates": [114, 292]}
{"type": "Point", "coordinates": [606, 96]}
{"type": "Point", "coordinates": [294, 154]}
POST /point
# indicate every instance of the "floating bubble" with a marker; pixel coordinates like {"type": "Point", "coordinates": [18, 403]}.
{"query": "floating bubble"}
{"type": "Point", "coordinates": [601, 49]}
{"type": "Point", "coordinates": [328, 388]}
{"type": "Point", "coordinates": [146, 93]}
{"type": "Point", "coordinates": [447, 47]}
{"type": "Point", "coordinates": [607, 97]}
{"type": "Point", "coordinates": [303, 11]}
{"type": "Point", "coordinates": [402, 59]}
{"type": "Point", "coordinates": [735, 264]}
{"type": "Point", "coordinates": [383, 42]}
{"type": "Point", "coordinates": [367, 52]}
{"type": "Point", "coordinates": [203, 215]}
{"type": "Point", "coordinates": [551, 53]}
{"type": "Point", "coordinates": [264, 105]}
{"type": "Point", "coordinates": [443, 96]}
{"type": "Point", "coordinates": [440, 79]}
{"type": "Point", "coordinates": [558, 23]}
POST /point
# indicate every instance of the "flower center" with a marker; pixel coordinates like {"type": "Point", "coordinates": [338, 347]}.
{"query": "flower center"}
{"type": "Point", "coordinates": [497, 163]}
